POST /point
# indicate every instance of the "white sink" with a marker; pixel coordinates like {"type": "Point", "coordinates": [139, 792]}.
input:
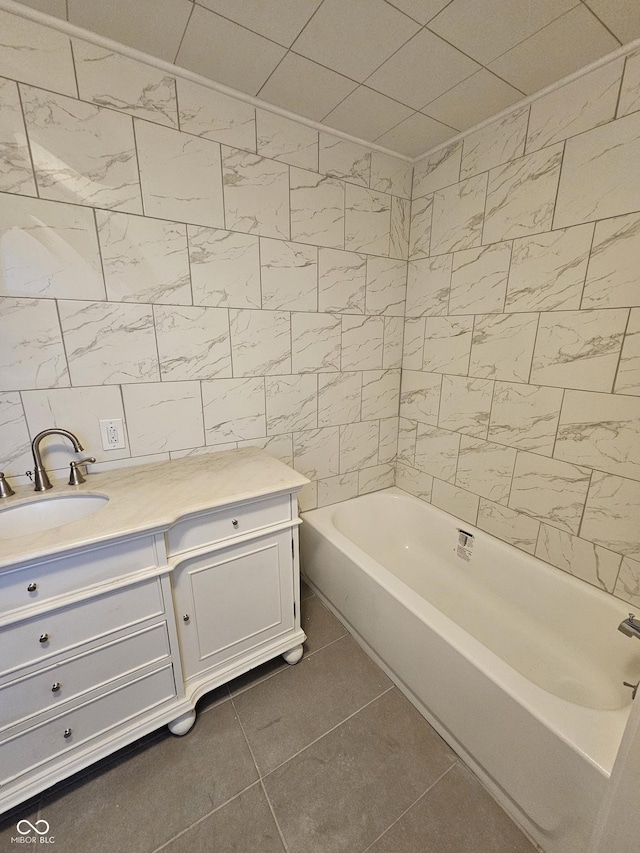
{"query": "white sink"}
{"type": "Point", "coordinates": [47, 512]}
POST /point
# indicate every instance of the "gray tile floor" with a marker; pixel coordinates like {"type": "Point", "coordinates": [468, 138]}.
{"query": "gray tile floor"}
{"type": "Point", "coordinates": [321, 757]}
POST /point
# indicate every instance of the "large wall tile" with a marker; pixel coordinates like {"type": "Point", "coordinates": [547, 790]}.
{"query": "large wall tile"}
{"type": "Point", "coordinates": [112, 80]}
{"type": "Point", "coordinates": [465, 405]}
{"type": "Point", "coordinates": [436, 452]}
{"type": "Point", "coordinates": [548, 270]}
{"type": "Point", "coordinates": [280, 138]}
{"type": "Point", "coordinates": [335, 489]}
{"type": "Point", "coordinates": [521, 195]}
{"type": "Point", "coordinates": [628, 584]}
{"type": "Point", "coordinates": [391, 175]}
{"type": "Point", "coordinates": [256, 194]}
{"type": "Point", "coordinates": [375, 477]}
{"type": "Point", "coordinates": [180, 175]}
{"type": "Point", "coordinates": [612, 276]}
{"type": "Point", "coordinates": [144, 260]}
{"type": "Point", "coordinates": [292, 403]}
{"type": "Point", "coordinates": [234, 409]}
{"type": "Point", "coordinates": [339, 397]}
{"type": "Point", "coordinates": [362, 342]}
{"type": "Point", "coordinates": [380, 394]}
{"type": "Point", "coordinates": [464, 505]}
{"type": "Point", "coordinates": [48, 250]}
{"type": "Point", "coordinates": [358, 446]}
{"type": "Point", "coordinates": [420, 227]}
{"type": "Point", "coordinates": [437, 170]}
{"type": "Point", "coordinates": [388, 438]}
{"type": "Point", "coordinates": [494, 144]}
{"type": "Point", "coordinates": [479, 279]}
{"type": "Point", "coordinates": [163, 416]}
{"type": "Point", "coordinates": [81, 153]}
{"type": "Point", "coordinates": [386, 287]}
{"type": "Point", "coordinates": [393, 341]}
{"type": "Point", "coordinates": [525, 416]}
{"type": "Point", "coordinates": [580, 558]}
{"type": "Point", "coordinates": [316, 454]}
{"type": "Point", "coordinates": [579, 349]}
{"type": "Point", "coordinates": [502, 346]}
{"type": "Point", "coordinates": [413, 481]}
{"type": "Point", "coordinates": [575, 107]}
{"type": "Point", "coordinates": [596, 180]}
{"type": "Point", "coordinates": [428, 287]}
{"type": "Point", "coordinates": [317, 209]}
{"type": "Point", "coordinates": [260, 342]}
{"type": "Point", "coordinates": [289, 275]}
{"type": "Point", "coordinates": [630, 91]}
{"type": "Point", "coordinates": [513, 527]}
{"type": "Point", "coordinates": [193, 342]}
{"type": "Point", "coordinates": [447, 344]}
{"type": "Point", "coordinates": [36, 54]}
{"type": "Point", "coordinates": [413, 343]}
{"type": "Point", "coordinates": [316, 342]}
{"type": "Point", "coordinates": [602, 431]}
{"type": "Point", "coordinates": [612, 514]}
{"type": "Point", "coordinates": [344, 159]}
{"type": "Point", "coordinates": [341, 281]}
{"type": "Point", "coordinates": [205, 112]}
{"type": "Point", "coordinates": [458, 215]}
{"type": "Point", "coordinates": [485, 468]}
{"type": "Point", "coordinates": [400, 228]}
{"type": "Point", "coordinates": [16, 172]}
{"type": "Point", "coordinates": [109, 342]}
{"type": "Point", "coordinates": [367, 220]}
{"type": "Point", "coordinates": [31, 351]}
{"type": "Point", "coordinates": [420, 396]}
{"type": "Point", "coordinates": [549, 490]}
{"type": "Point", "coordinates": [225, 268]}
{"type": "Point", "coordinates": [628, 378]}
{"type": "Point", "coordinates": [14, 434]}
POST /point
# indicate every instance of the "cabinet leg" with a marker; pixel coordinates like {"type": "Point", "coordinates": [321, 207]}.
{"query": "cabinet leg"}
{"type": "Point", "coordinates": [181, 725]}
{"type": "Point", "coordinates": [293, 655]}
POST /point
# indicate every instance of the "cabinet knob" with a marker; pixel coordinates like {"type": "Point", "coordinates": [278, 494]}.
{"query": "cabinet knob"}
{"type": "Point", "coordinates": [55, 686]}
{"type": "Point", "coordinates": [32, 587]}
{"type": "Point", "coordinates": [44, 638]}
{"type": "Point", "coordinates": [67, 733]}
{"type": "Point", "coordinates": [234, 521]}
{"type": "Point", "coordinates": [186, 617]}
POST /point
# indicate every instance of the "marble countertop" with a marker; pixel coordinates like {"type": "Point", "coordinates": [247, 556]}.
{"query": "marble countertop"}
{"type": "Point", "coordinates": [149, 497]}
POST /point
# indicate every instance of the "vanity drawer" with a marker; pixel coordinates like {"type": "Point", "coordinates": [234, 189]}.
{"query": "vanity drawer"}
{"type": "Point", "coordinates": [47, 579]}
{"type": "Point", "coordinates": [57, 684]}
{"type": "Point", "coordinates": [33, 747]}
{"type": "Point", "coordinates": [32, 641]}
{"type": "Point", "coordinates": [218, 525]}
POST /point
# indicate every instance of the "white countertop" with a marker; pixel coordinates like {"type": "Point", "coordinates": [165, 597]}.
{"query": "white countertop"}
{"type": "Point", "coordinates": [152, 496]}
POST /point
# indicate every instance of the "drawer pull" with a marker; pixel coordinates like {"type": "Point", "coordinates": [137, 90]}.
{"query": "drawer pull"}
{"type": "Point", "coordinates": [55, 686]}
{"type": "Point", "coordinates": [186, 617]}
{"type": "Point", "coordinates": [67, 733]}
{"type": "Point", "coordinates": [32, 587]}
{"type": "Point", "coordinates": [234, 521]}
{"type": "Point", "coordinates": [44, 638]}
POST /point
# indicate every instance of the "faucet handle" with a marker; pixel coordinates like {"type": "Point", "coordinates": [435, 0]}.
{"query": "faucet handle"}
{"type": "Point", "coordinates": [5, 489]}
{"type": "Point", "coordinates": [75, 477]}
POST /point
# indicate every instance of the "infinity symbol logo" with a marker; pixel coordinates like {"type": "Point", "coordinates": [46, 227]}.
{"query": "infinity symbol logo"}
{"type": "Point", "coordinates": [30, 827]}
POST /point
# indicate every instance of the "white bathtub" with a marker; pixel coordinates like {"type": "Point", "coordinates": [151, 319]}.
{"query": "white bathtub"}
{"type": "Point", "coordinates": [517, 664]}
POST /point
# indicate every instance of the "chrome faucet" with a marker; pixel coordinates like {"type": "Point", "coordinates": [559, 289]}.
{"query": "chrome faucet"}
{"type": "Point", "coordinates": [630, 627]}
{"type": "Point", "coordinates": [40, 478]}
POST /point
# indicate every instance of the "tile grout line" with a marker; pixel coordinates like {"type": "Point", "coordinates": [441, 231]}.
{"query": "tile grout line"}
{"type": "Point", "coordinates": [413, 804]}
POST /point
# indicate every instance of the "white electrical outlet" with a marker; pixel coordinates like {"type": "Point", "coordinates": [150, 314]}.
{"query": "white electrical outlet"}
{"type": "Point", "coordinates": [112, 434]}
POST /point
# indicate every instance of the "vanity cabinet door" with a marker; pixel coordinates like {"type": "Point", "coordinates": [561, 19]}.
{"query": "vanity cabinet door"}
{"type": "Point", "coordinates": [233, 601]}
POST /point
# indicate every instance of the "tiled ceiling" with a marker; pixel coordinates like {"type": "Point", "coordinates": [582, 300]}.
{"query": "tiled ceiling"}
{"type": "Point", "coordinates": [405, 74]}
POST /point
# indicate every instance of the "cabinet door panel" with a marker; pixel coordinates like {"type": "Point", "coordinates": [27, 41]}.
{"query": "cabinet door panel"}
{"type": "Point", "coordinates": [235, 600]}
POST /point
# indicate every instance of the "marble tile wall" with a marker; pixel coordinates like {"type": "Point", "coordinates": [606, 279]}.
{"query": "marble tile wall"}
{"type": "Point", "coordinates": [520, 394]}
{"type": "Point", "coordinates": [214, 274]}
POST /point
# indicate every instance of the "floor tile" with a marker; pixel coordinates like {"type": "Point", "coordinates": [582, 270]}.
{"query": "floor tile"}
{"type": "Point", "coordinates": [144, 798]}
{"type": "Point", "coordinates": [245, 824]}
{"type": "Point", "coordinates": [338, 795]}
{"type": "Point", "coordinates": [9, 821]}
{"type": "Point", "coordinates": [305, 591]}
{"type": "Point", "coordinates": [283, 714]}
{"type": "Point", "coordinates": [456, 814]}
{"type": "Point", "coordinates": [319, 624]}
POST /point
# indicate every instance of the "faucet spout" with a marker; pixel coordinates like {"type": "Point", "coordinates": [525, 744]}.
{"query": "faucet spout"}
{"type": "Point", "coordinates": [40, 478]}
{"type": "Point", "coordinates": [630, 627]}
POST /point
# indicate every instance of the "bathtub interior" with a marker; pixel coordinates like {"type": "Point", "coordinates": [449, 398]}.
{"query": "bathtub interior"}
{"type": "Point", "coordinates": [554, 629]}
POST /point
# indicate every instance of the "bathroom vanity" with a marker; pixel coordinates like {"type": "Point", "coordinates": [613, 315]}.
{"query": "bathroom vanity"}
{"type": "Point", "coordinates": [115, 624]}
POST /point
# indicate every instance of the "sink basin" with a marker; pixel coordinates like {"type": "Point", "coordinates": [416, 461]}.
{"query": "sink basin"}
{"type": "Point", "coordinates": [46, 513]}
